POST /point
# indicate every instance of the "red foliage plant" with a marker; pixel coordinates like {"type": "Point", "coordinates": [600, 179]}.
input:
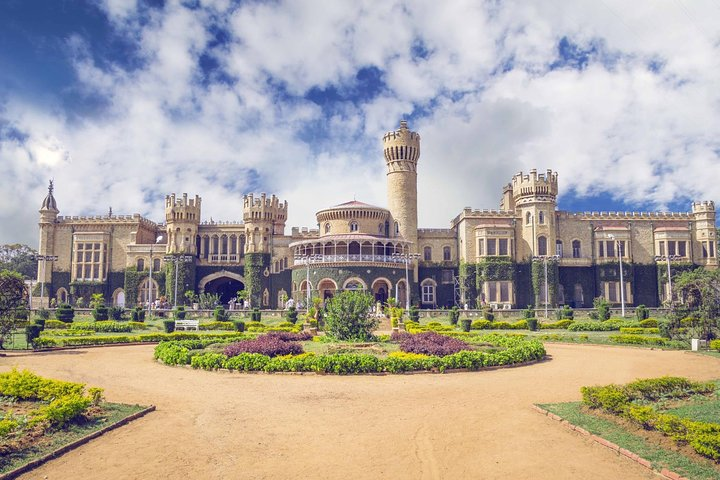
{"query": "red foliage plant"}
{"type": "Point", "coordinates": [271, 344]}
{"type": "Point", "coordinates": [431, 343]}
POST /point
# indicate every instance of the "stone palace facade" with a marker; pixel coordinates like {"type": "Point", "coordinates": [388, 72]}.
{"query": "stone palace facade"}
{"type": "Point", "coordinates": [499, 257]}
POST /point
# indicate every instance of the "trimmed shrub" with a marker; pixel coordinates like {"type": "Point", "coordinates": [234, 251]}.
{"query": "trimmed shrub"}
{"type": "Point", "coordinates": [638, 340]}
{"type": "Point", "coordinates": [271, 344]}
{"type": "Point", "coordinates": [559, 325]}
{"type": "Point", "coordinates": [101, 313]}
{"type": "Point", "coordinates": [104, 326]}
{"type": "Point", "coordinates": [169, 326]}
{"type": "Point", "coordinates": [481, 325]}
{"type": "Point", "coordinates": [642, 312]}
{"type": "Point", "coordinates": [454, 315]}
{"type": "Point", "coordinates": [488, 314]}
{"type": "Point", "coordinates": [32, 332]}
{"type": "Point", "coordinates": [529, 312]}
{"type": "Point", "coordinates": [217, 326]}
{"type": "Point", "coordinates": [179, 313]}
{"type": "Point", "coordinates": [220, 315]}
{"type": "Point", "coordinates": [649, 323]}
{"type": "Point", "coordinates": [639, 330]}
{"type": "Point", "coordinates": [566, 313]}
{"type": "Point", "coordinates": [532, 324]}
{"type": "Point", "coordinates": [715, 345]}
{"type": "Point", "coordinates": [347, 316]}
{"type": "Point", "coordinates": [138, 325]}
{"type": "Point", "coordinates": [55, 324]}
{"type": "Point", "coordinates": [465, 324]}
{"type": "Point", "coordinates": [239, 325]}
{"type": "Point", "coordinates": [116, 313]}
{"type": "Point", "coordinates": [43, 314]}
{"type": "Point", "coordinates": [431, 343]}
{"type": "Point", "coordinates": [137, 314]}
{"type": "Point", "coordinates": [65, 313]}
{"type": "Point", "coordinates": [291, 315]}
{"type": "Point", "coordinates": [255, 315]}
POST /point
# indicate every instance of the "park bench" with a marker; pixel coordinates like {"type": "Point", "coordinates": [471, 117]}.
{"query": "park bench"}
{"type": "Point", "coordinates": [187, 324]}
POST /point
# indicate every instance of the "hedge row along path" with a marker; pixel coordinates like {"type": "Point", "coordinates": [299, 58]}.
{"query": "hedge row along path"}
{"type": "Point", "coordinates": [465, 425]}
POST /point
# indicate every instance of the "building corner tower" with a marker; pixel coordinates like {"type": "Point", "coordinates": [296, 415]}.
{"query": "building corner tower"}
{"type": "Point", "coordinates": [401, 149]}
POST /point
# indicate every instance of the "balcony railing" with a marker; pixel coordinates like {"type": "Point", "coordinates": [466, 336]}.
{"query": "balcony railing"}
{"type": "Point", "coordinates": [346, 258]}
{"type": "Point", "coordinates": [224, 258]}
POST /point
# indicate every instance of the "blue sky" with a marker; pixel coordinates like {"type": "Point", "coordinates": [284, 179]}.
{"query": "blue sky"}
{"type": "Point", "coordinates": [125, 101]}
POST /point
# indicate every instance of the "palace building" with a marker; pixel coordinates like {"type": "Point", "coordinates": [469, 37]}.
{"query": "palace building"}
{"type": "Point", "coordinates": [500, 257]}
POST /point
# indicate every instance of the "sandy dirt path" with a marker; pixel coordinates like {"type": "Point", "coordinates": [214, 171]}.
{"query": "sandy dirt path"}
{"type": "Point", "coordinates": [219, 425]}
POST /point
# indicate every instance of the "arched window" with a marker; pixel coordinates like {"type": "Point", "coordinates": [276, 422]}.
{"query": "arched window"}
{"type": "Point", "coordinates": [576, 249]}
{"type": "Point", "coordinates": [541, 218]}
{"type": "Point", "coordinates": [327, 227]}
{"type": "Point", "coordinates": [380, 229]}
{"type": "Point", "coordinates": [156, 264]}
{"type": "Point", "coordinates": [558, 248]}
{"type": "Point", "coordinates": [542, 245]}
{"type": "Point", "coordinates": [397, 228]}
{"type": "Point", "coordinates": [427, 254]}
{"type": "Point", "coordinates": [528, 218]}
{"type": "Point", "coordinates": [140, 264]}
{"type": "Point", "coordinates": [353, 226]}
{"type": "Point", "coordinates": [266, 298]}
{"type": "Point", "coordinates": [446, 254]}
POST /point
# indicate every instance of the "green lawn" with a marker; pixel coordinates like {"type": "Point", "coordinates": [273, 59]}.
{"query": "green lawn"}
{"type": "Point", "coordinates": [51, 441]}
{"type": "Point", "coordinates": [693, 468]}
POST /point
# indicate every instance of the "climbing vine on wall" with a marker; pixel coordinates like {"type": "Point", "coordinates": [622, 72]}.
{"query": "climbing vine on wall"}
{"type": "Point", "coordinates": [255, 263]}
{"type": "Point", "coordinates": [538, 280]}
{"type": "Point", "coordinates": [469, 282]}
{"type": "Point", "coordinates": [495, 269]}
{"type": "Point", "coordinates": [185, 280]}
{"type": "Point", "coordinates": [133, 279]}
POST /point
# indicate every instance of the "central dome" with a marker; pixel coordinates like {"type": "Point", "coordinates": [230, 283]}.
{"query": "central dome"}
{"type": "Point", "coordinates": [354, 218]}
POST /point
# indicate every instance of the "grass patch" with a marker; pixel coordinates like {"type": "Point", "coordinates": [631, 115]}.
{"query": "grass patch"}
{"type": "Point", "coordinates": [107, 414]}
{"type": "Point", "coordinates": [659, 457]}
{"type": "Point", "coordinates": [699, 408]}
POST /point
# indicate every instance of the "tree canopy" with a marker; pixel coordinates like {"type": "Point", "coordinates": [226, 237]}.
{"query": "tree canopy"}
{"type": "Point", "coordinates": [18, 258]}
{"type": "Point", "coordinates": [12, 301]}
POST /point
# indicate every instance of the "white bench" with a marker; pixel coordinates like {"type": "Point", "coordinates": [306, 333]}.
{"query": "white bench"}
{"type": "Point", "coordinates": [187, 324]}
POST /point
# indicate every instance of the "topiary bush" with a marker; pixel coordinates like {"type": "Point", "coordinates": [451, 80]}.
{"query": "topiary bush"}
{"type": "Point", "coordinates": [65, 313]}
{"type": "Point", "coordinates": [239, 325]}
{"type": "Point", "coordinates": [179, 313]}
{"type": "Point", "coordinates": [32, 332]}
{"type": "Point", "coordinates": [291, 315]}
{"type": "Point", "coordinates": [466, 324]}
{"type": "Point", "coordinates": [116, 313]}
{"type": "Point", "coordinates": [220, 315]}
{"type": "Point", "coordinates": [602, 309]}
{"type": "Point", "coordinates": [414, 313]}
{"type": "Point", "coordinates": [101, 313]}
{"type": "Point", "coordinates": [532, 324]}
{"type": "Point", "coordinates": [43, 313]}
{"type": "Point", "coordinates": [480, 325]}
{"type": "Point", "coordinates": [169, 326]}
{"type": "Point", "coordinates": [255, 315]}
{"type": "Point", "coordinates": [454, 315]}
{"type": "Point", "coordinates": [137, 314]}
{"type": "Point", "coordinates": [649, 323]}
{"type": "Point", "coordinates": [488, 314]}
{"type": "Point", "coordinates": [529, 312]}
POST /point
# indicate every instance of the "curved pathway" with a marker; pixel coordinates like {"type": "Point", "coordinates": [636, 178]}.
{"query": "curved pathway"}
{"type": "Point", "coordinates": [218, 425]}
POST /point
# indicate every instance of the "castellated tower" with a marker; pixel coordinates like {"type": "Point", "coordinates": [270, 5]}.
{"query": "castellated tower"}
{"type": "Point", "coordinates": [704, 232]}
{"type": "Point", "coordinates": [182, 216]}
{"type": "Point", "coordinates": [48, 216]}
{"type": "Point", "coordinates": [402, 150]}
{"type": "Point", "coordinates": [263, 218]}
{"type": "Point", "coordinates": [534, 198]}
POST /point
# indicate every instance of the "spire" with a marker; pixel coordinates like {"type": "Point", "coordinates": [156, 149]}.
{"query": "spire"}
{"type": "Point", "coordinates": [49, 203]}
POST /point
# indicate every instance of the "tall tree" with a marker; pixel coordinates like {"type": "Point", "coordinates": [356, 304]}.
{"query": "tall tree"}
{"type": "Point", "coordinates": [12, 301]}
{"type": "Point", "coordinates": [18, 258]}
{"type": "Point", "coordinates": [699, 291]}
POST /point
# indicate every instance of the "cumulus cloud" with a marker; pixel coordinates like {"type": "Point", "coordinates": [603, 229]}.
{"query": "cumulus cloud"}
{"type": "Point", "coordinates": [223, 99]}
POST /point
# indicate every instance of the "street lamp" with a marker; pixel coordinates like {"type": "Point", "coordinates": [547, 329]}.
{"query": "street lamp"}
{"type": "Point", "coordinates": [306, 259]}
{"type": "Point", "coordinates": [44, 259]}
{"type": "Point", "coordinates": [406, 257]}
{"type": "Point", "coordinates": [150, 280]}
{"type": "Point", "coordinates": [622, 282]}
{"type": "Point", "coordinates": [175, 259]}
{"type": "Point", "coordinates": [659, 258]}
{"type": "Point", "coordinates": [544, 259]}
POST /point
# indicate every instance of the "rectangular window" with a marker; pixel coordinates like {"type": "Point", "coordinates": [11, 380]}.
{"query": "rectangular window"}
{"type": "Point", "coordinates": [480, 247]}
{"type": "Point", "coordinates": [558, 249]}
{"type": "Point", "coordinates": [502, 246]}
{"type": "Point", "coordinates": [601, 249]}
{"type": "Point", "coordinates": [491, 246]}
{"type": "Point", "coordinates": [504, 292]}
{"type": "Point", "coordinates": [428, 294]}
{"type": "Point", "coordinates": [612, 291]}
{"type": "Point", "coordinates": [671, 247]}
{"type": "Point", "coordinates": [492, 291]}
{"type": "Point", "coordinates": [610, 248]}
{"type": "Point", "coordinates": [89, 262]}
{"type": "Point", "coordinates": [662, 249]}
{"type": "Point", "coordinates": [622, 248]}
{"type": "Point", "coordinates": [705, 249]}
{"type": "Point", "coordinates": [447, 276]}
{"type": "Point", "coordinates": [682, 249]}
{"type": "Point", "coordinates": [712, 249]}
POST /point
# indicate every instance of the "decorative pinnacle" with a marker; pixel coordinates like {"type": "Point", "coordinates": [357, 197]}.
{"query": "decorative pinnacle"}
{"type": "Point", "coordinates": [50, 188]}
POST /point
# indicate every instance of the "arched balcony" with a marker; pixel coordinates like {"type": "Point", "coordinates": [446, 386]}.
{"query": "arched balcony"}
{"type": "Point", "coordinates": [351, 249]}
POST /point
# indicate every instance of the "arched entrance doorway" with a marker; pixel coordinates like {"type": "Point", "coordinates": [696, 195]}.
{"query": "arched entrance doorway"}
{"type": "Point", "coordinates": [327, 288]}
{"type": "Point", "coordinates": [225, 287]}
{"type": "Point", "coordinates": [381, 289]}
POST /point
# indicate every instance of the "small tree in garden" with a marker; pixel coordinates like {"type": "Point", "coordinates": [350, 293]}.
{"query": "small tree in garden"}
{"type": "Point", "coordinates": [12, 299]}
{"type": "Point", "coordinates": [602, 309]}
{"type": "Point", "coordinates": [700, 290]}
{"type": "Point", "coordinates": [347, 316]}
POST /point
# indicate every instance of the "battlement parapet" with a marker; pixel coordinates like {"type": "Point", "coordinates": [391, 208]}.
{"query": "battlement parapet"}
{"type": "Point", "coordinates": [231, 223]}
{"type": "Point", "coordinates": [704, 206]}
{"type": "Point", "coordinates": [171, 201]}
{"type": "Point", "coordinates": [304, 232]}
{"type": "Point", "coordinates": [265, 208]}
{"type": "Point", "coordinates": [436, 232]}
{"type": "Point", "coordinates": [468, 213]}
{"type": "Point", "coordinates": [534, 184]}
{"type": "Point", "coordinates": [625, 215]}
{"type": "Point", "coordinates": [401, 144]}
{"type": "Point", "coordinates": [135, 218]}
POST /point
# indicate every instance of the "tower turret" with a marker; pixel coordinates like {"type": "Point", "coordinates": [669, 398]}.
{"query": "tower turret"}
{"type": "Point", "coordinates": [263, 218]}
{"type": "Point", "coordinates": [402, 151]}
{"type": "Point", "coordinates": [48, 217]}
{"type": "Point", "coordinates": [704, 232]}
{"type": "Point", "coordinates": [535, 197]}
{"type": "Point", "coordinates": [182, 216]}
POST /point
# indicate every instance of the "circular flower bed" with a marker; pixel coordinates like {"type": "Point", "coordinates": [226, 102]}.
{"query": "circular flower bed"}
{"type": "Point", "coordinates": [422, 352]}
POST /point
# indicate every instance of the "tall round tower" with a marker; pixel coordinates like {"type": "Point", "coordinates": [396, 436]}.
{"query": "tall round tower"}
{"type": "Point", "coordinates": [48, 217]}
{"type": "Point", "coordinates": [182, 216]}
{"type": "Point", "coordinates": [402, 150]}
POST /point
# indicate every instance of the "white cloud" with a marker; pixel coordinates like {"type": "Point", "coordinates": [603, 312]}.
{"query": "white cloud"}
{"type": "Point", "coordinates": [615, 126]}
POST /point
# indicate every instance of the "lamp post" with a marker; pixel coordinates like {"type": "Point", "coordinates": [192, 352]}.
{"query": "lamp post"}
{"type": "Point", "coordinates": [622, 282]}
{"type": "Point", "coordinates": [44, 259]}
{"type": "Point", "coordinates": [306, 259]}
{"type": "Point", "coordinates": [544, 259]}
{"type": "Point", "coordinates": [406, 257]}
{"type": "Point", "coordinates": [659, 258]}
{"type": "Point", "coordinates": [175, 259]}
{"type": "Point", "coordinates": [150, 280]}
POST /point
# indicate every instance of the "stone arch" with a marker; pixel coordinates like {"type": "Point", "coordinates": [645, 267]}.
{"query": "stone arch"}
{"type": "Point", "coordinates": [327, 288]}
{"type": "Point", "coordinates": [381, 288]}
{"type": "Point", "coordinates": [143, 290]}
{"type": "Point", "coordinates": [348, 285]}
{"type": "Point", "coordinates": [118, 297]}
{"type": "Point", "coordinates": [61, 295]}
{"type": "Point", "coordinates": [214, 276]}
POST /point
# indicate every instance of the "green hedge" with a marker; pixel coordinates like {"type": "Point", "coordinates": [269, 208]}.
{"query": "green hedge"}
{"type": "Point", "coordinates": [217, 326]}
{"type": "Point", "coordinates": [143, 337]}
{"type": "Point", "coordinates": [517, 350]}
{"type": "Point", "coordinates": [103, 326]}
{"type": "Point", "coordinates": [559, 325]}
{"type": "Point", "coordinates": [715, 345]}
{"type": "Point", "coordinates": [629, 401]}
{"type": "Point", "coordinates": [640, 330]}
{"type": "Point", "coordinates": [604, 326]}
{"type": "Point", "coordinates": [639, 340]}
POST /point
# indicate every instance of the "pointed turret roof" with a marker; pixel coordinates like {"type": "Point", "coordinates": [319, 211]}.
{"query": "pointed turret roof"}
{"type": "Point", "coordinates": [49, 203]}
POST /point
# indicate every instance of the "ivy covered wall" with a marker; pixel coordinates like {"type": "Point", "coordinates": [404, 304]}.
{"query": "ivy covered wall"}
{"type": "Point", "coordinates": [185, 280]}
{"type": "Point", "coordinates": [569, 277]}
{"type": "Point", "coordinates": [133, 279]}
{"type": "Point", "coordinates": [255, 280]}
